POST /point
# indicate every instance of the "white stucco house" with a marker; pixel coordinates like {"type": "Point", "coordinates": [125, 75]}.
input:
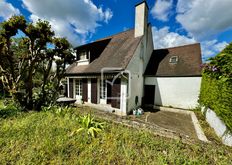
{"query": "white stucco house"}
{"type": "Point", "coordinates": [123, 71]}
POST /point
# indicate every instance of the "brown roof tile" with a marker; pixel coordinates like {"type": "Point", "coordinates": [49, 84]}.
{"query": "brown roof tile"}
{"type": "Point", "coordinates": [117, 53]}
{"type": "Point", "coordinates": [189, 61]}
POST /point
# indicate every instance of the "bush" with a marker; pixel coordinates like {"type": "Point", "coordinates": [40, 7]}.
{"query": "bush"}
{"type": "Point", "coordinates": [89, 126]}
{"type": "Point", "coordinates": [9, 110]}
{"type": "Point", "coordinates": [58, 110]}
{"type": "Point", "coordinates": [216, 87]}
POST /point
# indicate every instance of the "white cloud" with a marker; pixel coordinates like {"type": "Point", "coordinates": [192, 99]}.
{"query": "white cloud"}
{"type": "Point", "coordinates": [108, 15]}
{"type": "Point", "coordinates": [7, 10]}
{"type": "Point", "coordinates": [212, 48]}
{"type": "Point", "coordinates": [125, 28]}
{"type": "Point", "coordinates": [183, 6]}
{"type": "Point", "coordinates": [71, 18]}
{"type": "Point", "coordinates": [162, 9]}
{"type": "Point", "coordinates": [163, 38]}
{"type": "Point", "coordinates": [204, 19]}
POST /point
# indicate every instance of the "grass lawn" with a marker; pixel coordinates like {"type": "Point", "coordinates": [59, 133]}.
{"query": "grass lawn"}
{"type": "Point", "coordinates": [45, 137]}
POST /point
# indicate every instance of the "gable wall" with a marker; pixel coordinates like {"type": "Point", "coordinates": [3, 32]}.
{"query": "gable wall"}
{"type": "Point", "coordinates": [137, 68]}
{"type": "Point", "coordinates": [148, 50]}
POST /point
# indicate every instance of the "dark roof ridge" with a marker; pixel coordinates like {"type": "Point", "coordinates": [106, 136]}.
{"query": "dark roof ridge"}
{"type": "Point", "coordinates": [105, 38]}
{"type": "Point", "coordinates": [111, 36]}
{"type": "Point", "coordinates": [197, 43]}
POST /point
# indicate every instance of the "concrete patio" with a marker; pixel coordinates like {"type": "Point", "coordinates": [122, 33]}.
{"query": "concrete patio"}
{"type": "Point", "coordinates": [164, 121]}
{"type": "Point", "coordinates": [178, 122]}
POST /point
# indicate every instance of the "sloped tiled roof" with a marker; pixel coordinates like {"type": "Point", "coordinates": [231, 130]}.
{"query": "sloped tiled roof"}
{"type": "Point", "coordinates": [189, 61]}
{"type": "Point", "coordinates": [117, 53]}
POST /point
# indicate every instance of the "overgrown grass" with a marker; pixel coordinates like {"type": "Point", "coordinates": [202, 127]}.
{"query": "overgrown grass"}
{"type": "Point", "coordinates": [209, 132]}
{"type": "Point", "coordinates": [44, 137]}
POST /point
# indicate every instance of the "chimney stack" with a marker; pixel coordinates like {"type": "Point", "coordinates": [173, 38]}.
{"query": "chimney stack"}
{"type": "Point", "coordinates": [141, 17]}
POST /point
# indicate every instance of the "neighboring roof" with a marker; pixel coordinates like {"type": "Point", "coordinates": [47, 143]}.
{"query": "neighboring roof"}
{"type": "Point", "coordinates": [189, 61]}
{"type": "Point", "coordinates": [117, 53]}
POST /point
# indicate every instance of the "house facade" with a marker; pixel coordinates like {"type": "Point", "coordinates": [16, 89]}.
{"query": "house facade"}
{"type": "Point", "coordinates": [115, 73]}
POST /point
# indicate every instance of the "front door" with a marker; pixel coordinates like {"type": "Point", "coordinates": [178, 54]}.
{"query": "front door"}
{"type": "Point", "coordinates": [149, 94]}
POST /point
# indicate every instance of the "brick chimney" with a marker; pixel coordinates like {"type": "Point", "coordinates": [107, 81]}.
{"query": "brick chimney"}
{"type": "Point", "coordinates": [141, 17]}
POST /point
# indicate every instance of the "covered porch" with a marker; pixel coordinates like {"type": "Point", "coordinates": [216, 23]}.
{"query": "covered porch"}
{"type": "Point", "coordinates": [105, 93]}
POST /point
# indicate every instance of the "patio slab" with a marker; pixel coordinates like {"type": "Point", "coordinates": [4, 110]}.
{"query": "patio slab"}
{"type": "Point", "coordinates": [182, 122]}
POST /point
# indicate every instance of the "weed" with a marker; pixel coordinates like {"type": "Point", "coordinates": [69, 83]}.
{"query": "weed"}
{"type": "Point", "coordinates": [89, 125]}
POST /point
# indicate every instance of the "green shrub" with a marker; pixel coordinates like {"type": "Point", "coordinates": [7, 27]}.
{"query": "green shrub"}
{"type": "Point", "coordinates": [216, 87]}
{"type": "Point", "coordinates": [59, 110]}
{"type": "Point", "coordinates": [9, 110]}
{"type": "Point", "coordinates": [89, 126]}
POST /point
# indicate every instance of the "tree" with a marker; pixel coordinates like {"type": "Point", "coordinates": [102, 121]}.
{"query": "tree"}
{"type": "Point", "coordinates": [26, 63]}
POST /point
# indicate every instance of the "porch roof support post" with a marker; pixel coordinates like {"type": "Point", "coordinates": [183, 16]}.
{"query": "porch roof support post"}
{"type": "Point", "coordinates": [123, 97]}
{"type": "Point", "coordinates": [68, 86]}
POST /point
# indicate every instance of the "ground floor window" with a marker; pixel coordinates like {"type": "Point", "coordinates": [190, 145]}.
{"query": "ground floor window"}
{"type": "Point", "coordinates": [78, 87]}
{"type": "Point", "coordinates": [103, 90]}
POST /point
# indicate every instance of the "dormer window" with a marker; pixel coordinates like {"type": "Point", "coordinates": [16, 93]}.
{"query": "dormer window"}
{"type": "Point", "coordinates": [173, 60]}
{"type": "Point", "coordinates": [83, 55]}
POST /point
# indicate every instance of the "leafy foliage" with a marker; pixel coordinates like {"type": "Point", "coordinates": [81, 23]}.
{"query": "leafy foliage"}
{"type": "Point", "coordinates": [89, 125]}
{"type": "Point", "coordinates": [59, 110]}
{"type": "Point", "coordinates": [216, 88]}
{"type": "Point", "coordinates": [8, 109]}
{"type": "Point", "coordinates": [26, 63]}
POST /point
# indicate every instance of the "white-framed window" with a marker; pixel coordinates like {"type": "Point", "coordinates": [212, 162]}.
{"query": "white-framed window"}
{"type": "Point", "coordinates": [173, 60]}
{"type": "Point", "coordinates": [103, 90]}
{"type": "Point", "coordinates": [83, 55]}
{"type": "Point", "coordinates": [78, 87]}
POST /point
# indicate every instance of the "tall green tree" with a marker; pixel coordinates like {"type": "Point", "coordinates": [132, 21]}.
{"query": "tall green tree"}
{"type": "Point", "coordinates": [26, 63]}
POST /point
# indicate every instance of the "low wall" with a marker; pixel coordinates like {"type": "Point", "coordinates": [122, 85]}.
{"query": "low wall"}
{"type": "Point", "coordinates": [218, 125]}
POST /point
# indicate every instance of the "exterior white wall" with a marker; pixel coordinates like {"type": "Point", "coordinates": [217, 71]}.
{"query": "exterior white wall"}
{"type": "Point", "coordinates": [178, 92]}
{"type": "Point", "coordinates": [136, 89]}
{"type": "Point", "coordinates": [218, 125]}
{"type": "Point", "coordinates": [148, 47]}
{"type": "Point", "coordinates": [137, 68]}
{"type": "Point", "coordinates": [140, 19]}
{"type": "Point", "coordinates": [83, 62]}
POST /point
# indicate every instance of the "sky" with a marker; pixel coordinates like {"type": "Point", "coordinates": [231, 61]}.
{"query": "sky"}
{"type": "Point", "coordinates": [174, 22]}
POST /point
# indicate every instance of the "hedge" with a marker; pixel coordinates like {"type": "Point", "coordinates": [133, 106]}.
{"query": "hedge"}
{"type": "Point", "coordinates": [216, 86]}
{"type": "Point", "coordinates": [217, 96]}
